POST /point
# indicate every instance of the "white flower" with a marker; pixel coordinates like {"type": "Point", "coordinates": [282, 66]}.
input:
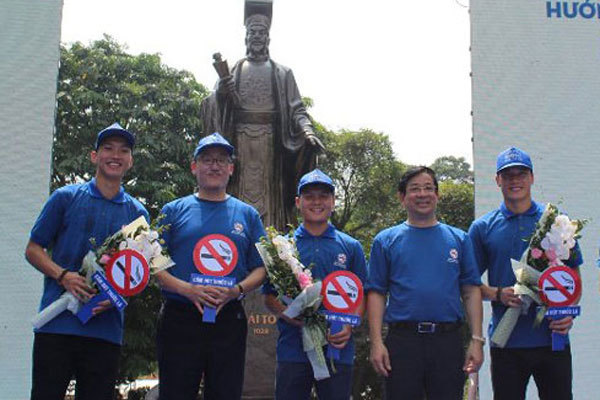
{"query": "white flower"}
{"type": "Point", "coordinates": [122, 245]}
{"type": "Point", "coordinates": [157, 249]}
{"type": "Point", "coordinates": [285, 250]}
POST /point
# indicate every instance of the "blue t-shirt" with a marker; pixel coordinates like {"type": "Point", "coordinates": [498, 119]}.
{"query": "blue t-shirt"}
{"type": "Point", "coordinates": [70, 218]}
{"type": "Point", "coordinates": [332, 251]}
{"type": "Point", "coordinates": [497, 237]}
{"type": "Point", "coordinates": [228, 229]}
{"type": "Point", "coordinates": [422, 270]}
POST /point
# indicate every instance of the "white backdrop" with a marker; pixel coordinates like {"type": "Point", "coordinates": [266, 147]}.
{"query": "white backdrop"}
{"type": "Point", "coordinates": [29, 49]}
{"type": "Point", "coordinates": [536, 85]}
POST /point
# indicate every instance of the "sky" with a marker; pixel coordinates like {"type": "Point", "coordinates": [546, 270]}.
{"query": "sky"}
{"type": "Point", "coordinates": [395, 67]}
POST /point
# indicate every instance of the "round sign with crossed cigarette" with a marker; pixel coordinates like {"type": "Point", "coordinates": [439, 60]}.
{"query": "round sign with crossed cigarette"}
{"type": "Point", "coordinates": [342, 292]}
{"type": "Point", "coordinates": [215, 255]}
{"type": "Point", "coordinates": [127, 271]}
{"type": "Point", "coordinates": [559, 286]}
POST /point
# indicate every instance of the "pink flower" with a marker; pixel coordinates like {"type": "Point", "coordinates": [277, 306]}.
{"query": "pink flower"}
{"type": "Point", "coordinates": [536, 253]}
{"type": "Point", "coordinates": [551, 254]}
{"type": "Point", "coordinates": [104, 259]}
{"type": "Point", "coordinates": [303, 280]}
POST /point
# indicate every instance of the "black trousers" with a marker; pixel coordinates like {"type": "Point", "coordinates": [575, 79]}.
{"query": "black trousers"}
{"type": "Point", "coordinates": [551, 370]}
{"type": "Point", "coordinates": [59, 358]}
{"type": "Point", "coordinates": [189, 350]}
{"type": "Point", "coordinates": [425, 364]}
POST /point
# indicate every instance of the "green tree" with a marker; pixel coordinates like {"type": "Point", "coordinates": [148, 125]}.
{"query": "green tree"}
{"type": "Point", "coordinates": [456, 205]}
{"type": "Point", "coordinates": [366, 173]}
{"type": "Point", "coordinates": [450, 168]}
{"type": "Point", "coordinates": [98, 85]}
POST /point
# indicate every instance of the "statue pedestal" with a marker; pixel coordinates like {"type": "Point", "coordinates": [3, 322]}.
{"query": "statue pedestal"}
{"type": "Point", "coordinates": [259, 377]}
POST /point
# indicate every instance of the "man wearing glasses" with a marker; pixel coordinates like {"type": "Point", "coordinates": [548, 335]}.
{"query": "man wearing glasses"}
{"type": "Point", "coordinates": [418, 273]}
{"type": "Point", "coordinates": [209, 230]}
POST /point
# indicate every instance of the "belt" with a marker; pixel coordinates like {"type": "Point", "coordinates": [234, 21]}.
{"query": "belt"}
{"type": "Point", "coordinates": [425, 327]}
{"type": "Point", "coordinates": [254, 117]}
{"type": "Point", "coordinates": [232, 307]}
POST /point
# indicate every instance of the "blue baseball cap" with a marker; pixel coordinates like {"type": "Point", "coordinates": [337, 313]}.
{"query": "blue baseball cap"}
{"type": "Point", "coordinates": [213, 140]}
{"type": "Point", "coordinates": [315, 177]}
{"type": "Point", "coordinates": [513, 157]}
{"type": "Point", "coordinates": [115, 130]}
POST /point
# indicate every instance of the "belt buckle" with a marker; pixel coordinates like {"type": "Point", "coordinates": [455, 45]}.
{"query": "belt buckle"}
{"type": "Point", "coordinates": [426, 327]}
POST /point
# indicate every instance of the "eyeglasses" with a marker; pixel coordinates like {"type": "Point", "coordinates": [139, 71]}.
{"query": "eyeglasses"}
{"type": "Point", "coordinates": [417, 189]}
{"type": "Point", "coordinates": [209, 161]}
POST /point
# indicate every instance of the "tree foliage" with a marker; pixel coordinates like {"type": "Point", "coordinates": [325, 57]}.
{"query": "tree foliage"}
{"type": "Point", "coordinates": [456, 205]}
{"type": "Point", "coordinates": [450, 168]}
{"type": "Point", "coordinates": [365, 172]}
{"type": "Point", "coordinates": [100, 84]}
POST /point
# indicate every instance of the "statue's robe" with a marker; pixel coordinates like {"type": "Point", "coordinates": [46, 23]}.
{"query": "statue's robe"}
{"type": "Point", "coordinates": [267, 128]}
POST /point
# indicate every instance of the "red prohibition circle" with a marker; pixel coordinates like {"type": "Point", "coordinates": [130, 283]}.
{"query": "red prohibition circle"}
{"type": "Point", "coordinates": [205, 249]}
{"type": "Point", "coordinates": [128, 255]}
{"type": "Point", "coordinates": [332, 279]}
{"type": "Point", "coordinates": [570, 298]}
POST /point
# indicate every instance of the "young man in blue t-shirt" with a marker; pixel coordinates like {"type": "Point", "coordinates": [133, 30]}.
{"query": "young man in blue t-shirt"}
{"type": "Point", "coordinates": [65, 348]}
{"type": "Point", "coordinates": [209, 231]}
{"type": "Point", "coordinates": [497, 237]}
{"type": "Point", "coordinates": [329, 250]}
{"type": "Point", "coordinates": [418, 273]}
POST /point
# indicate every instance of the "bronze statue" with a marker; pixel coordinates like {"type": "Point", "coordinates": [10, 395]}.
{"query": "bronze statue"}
{"type": "Point", "coordinates": [257, 107]}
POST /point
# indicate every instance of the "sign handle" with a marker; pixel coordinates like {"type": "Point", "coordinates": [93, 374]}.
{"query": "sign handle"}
{"type": "Point", "coordinates": [558, 341]}
{"type": "Point", "coordinates": [209, 315]}
{"type": "Point", "coordinates": [332, 352]}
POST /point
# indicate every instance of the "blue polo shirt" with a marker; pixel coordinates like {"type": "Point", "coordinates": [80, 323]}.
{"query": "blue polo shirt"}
{"type": "Point", "coordinates": [70, 218]}
{"type": "Point", "coordinates": [331, 251]}
{"type": "Point", "coordinates": [422, 270]}
{"type": "Point", "coordinates": [497, 237]}
{"type": "Point", "coordinates": [192, 219]}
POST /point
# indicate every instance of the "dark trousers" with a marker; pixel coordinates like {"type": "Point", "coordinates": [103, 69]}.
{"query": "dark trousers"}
{"type": "Point", "coordinates": [551, 370]}
{"type": "Point", "coordinates": [189, 349]}
{"type": "Point", "coordinates": [425, 364]}
{"type": "Point", "coordinates": [294, 381]}
{"type": "Point", "coordinates": [59, 358]}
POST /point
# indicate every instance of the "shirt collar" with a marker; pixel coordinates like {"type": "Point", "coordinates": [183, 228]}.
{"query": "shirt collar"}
{"type": "Point", "coordinates": [533, 209]}
{"type": "Point", "coordinates": [95, 192]}
{"type": "Point", "coordinates": [302, 232]}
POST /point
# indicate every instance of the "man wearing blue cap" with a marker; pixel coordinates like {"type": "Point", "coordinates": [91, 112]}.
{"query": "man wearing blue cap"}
{"type": "Point", "coordinates": [209, 230]}
{"type": "Point", "coordinates": [329, 250]}
{"type": "Point", "coordinates": [419, 272]}
{"type": "Point", "coordinates": [499, 236]}
{"type": "Point", "coordinates": [64, 347]}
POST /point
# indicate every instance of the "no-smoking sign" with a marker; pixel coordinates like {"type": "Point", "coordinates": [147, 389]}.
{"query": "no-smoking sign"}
{"type": "Point", "coordinates": [342, 292]}
{"type": "Point", "coordinates": [128, 272]}
{"type": "Point", "coordinates": [215, 255]}
{"type": "Point", "coordinates": [559, 286]}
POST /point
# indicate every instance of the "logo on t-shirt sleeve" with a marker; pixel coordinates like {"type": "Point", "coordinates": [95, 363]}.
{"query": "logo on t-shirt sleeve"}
{"type": "Point", "coordinates": [453, 253]}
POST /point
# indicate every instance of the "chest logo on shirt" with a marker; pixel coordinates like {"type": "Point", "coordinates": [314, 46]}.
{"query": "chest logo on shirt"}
{"type": "Point", "coordinates": [238, 229]}
{"type": "Point", "coordinates": [341, 261]}
{"type": "Point", "coordinates": [215, 255]}
{"type": "Point", "coordinates": [453, 256]}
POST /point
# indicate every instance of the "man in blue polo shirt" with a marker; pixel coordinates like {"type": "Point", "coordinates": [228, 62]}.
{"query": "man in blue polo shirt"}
{"type": "Point", "coordinates": [209, 231]}
{"type": "Point", "coordinates": [329, 250]}
{"type": "Point", "coordinates": [64, 347]}
{"type": "Point", "coordinates": [497, 237]}
{"type": "Point", "coordinates": [423, 268]}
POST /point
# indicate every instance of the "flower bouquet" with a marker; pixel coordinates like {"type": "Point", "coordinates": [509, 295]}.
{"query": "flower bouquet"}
{"type": "Point", "coordinates": [299, 291]}
{"type": "Point", "coordinates": [137, 236]}
{"type": "Point", "coordinates": [552, 243]}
